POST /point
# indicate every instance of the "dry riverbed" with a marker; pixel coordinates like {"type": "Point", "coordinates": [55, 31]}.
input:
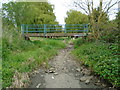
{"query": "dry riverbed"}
{"type": "Point", "coordinates": [65, 72]}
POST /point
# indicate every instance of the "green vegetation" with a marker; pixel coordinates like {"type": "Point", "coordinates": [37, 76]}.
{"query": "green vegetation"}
{"type": "Point", "coordinates": [101, 57]}
{"type": "Point", "coordinates": [97, 51]}
{"type": "Point", "coordinates": [24, 56]}
{"type": "Point", "coordinates": [17, 13]}
{"type": "Point", "coordinates": [21, 55]}
{"type": "Point", "coordinates": [79, 18]}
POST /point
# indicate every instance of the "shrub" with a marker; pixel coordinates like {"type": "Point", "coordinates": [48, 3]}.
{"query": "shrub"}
{"type": "Point", "coordinates": [102, 58]}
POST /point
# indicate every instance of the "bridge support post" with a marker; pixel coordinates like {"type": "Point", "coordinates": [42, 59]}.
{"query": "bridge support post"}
{"type": "Point", "coordinates": [22, 29]}
{"type": "Point", "coordinates": [44, 30]}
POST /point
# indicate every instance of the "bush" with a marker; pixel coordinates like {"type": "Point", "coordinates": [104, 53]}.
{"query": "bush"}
{"type": "Point", "coordinates": [102, 58]}
{"type": "Point", "coordinates": [110, 32]}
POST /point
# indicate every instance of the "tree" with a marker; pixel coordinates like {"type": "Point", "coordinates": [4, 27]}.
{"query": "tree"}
{"type": "Point", "coordinates": [76, 17]}
{"type": "Point", "coordinates": [17, 13]}
{"type": "Point", "coordinates": [88, 7]}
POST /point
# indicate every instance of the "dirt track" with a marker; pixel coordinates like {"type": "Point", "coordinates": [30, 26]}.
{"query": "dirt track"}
{"type": "Point", "coordinates": [64, 72]}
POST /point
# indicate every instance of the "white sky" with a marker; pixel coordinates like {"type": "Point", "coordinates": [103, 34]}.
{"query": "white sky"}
{"type": "Point", "coordinates": [61, 7]}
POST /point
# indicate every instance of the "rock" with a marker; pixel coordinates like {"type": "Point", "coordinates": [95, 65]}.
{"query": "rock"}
{"type": "Point", "coordinates": [78, 69]}
{"type": "Point", "coordinates": [36, 72]}
{"type": "Point", "coordinates": [46, 71]}
{"type": "Point", "coordinates": [84, 78]}
{"type": "Point", "coordinates": [55, 73]}
{"type": "Point", "coordinates": [86, 72]}
{"type": "Point", "coordinates": [98, 84]}
{"type": "Point", "coordinates": [53, 77]}
{"type": "Point", "coordinates": [87, 81]}
{"type": "Point", "coordinates": [51, 71]}
{"type": "Point", "coordinates": [98, 81]}
{"type": "Point", "coordinates": [103, 85]}
{"type": "Point", "coordinates": [38, 85]}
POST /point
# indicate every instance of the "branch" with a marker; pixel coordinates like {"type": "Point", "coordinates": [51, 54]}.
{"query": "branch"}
{"type": "Point", "coordinates": [107, 5]}
{"type": "Point", "coordinates": [79, 4]}
{"type": "Point", "coordinates": [110, 7]}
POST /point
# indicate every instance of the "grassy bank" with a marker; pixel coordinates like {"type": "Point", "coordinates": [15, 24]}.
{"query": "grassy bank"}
{"type": "Point", "coordinates": [24, 56]}
{"type": "Point", "coordinates": [101, 57]}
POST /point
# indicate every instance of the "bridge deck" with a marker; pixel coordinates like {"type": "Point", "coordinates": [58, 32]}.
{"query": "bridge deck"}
{"type": "Point", "coordinates": [54, 34]}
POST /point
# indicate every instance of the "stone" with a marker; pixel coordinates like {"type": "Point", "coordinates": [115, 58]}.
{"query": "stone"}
{"type": "Point", "coordinates": [51, 71]}
{"type": "Point", "coordinates": [98, 81]}
{"type": "Point", "coordinates": [36, 72]}
{"type": "Point", "coordinates": [84, 78]}
{"type": "Point", "coordinates": [55, 73]}
{"type": "Point", "coordinates": [103, 85]}
{"type": "Point", "coordinates": [46, 71]}
{"type": "Point", "coordinates": [86, 72]}
{"type": "Point", "coordinates": [53, 77]}
{"type": "Point", "coordinates": [78, 70]}
{"type": "Point", "coordinates": [98, 84]}
{"type": "Point", "coordinates": [38, 85]}
{"type": "Point", "coordinates": [87, 81]}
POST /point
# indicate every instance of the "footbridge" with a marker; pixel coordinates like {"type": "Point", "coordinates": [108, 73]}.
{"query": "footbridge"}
{"type": "Point", "coordinates": [54, 30]}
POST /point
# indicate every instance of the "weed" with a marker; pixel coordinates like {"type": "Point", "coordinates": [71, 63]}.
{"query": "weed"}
{"type": "Point", "coordinates": [101, 57]}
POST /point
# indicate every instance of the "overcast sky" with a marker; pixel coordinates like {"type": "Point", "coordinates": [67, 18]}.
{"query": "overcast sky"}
{"type": "Point", "coordinates": [62, 6]}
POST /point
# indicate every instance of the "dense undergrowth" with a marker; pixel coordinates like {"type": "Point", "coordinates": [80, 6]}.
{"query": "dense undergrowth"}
{"type": "Point", "coordinates": [24, 56]}
{"type": "Point", "coordinates": [101, 57]}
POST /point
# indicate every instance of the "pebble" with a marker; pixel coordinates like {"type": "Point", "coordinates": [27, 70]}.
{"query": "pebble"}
{"type": "Point", "coordinates": [78, 69]}
{"type": "Point", "coordinates": [87, 81]}
{"type": "Point", "coordinates": [55, 73]}
{"type": "Point", "coordinates": [84, 78]}
{"type": "Point", "coordinates": [36, 72]}
{"type": "Point", "coordinates": [38, 85]}
{"type": "Point", "coordinates": [53, 77]}
{"type": "Point", "coordinates": [51, 71]}
{"type": "Point", "coordinates": [98, 84]}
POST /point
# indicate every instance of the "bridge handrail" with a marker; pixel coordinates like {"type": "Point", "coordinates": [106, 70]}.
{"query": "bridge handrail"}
{"type": "Point", "coordinates": [65, 28]}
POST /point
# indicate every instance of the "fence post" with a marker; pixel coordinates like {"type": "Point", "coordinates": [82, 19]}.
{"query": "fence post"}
{"type": "Point", "coordinates": [65, 28]}
{"type": "Point", "coordinates": [22, 29]}
{"type": "Point", "coordinates": [27, 28]}
{"type": "Point", "coordinates": [86, 29]}
{"type": "Point", "coordinates": [44, 30]}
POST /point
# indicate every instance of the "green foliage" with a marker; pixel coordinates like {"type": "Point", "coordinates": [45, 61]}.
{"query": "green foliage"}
{"type": "Point", "coordinates": [76, 17]}
{"type": "Point", "coordinates": [17, 13]}
{"type": "Point", "coordinates": [101, 57]}
{"type": "Point", "coordinates": [24, 56]}
{"type": "Point", "coordinates": [96, 14]}
{"type": "Point", "coordinates": [110, 32]}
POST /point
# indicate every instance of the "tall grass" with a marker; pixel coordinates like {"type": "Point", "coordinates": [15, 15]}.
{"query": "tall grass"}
{"type": "Point", "coordinates": [24, 56]}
